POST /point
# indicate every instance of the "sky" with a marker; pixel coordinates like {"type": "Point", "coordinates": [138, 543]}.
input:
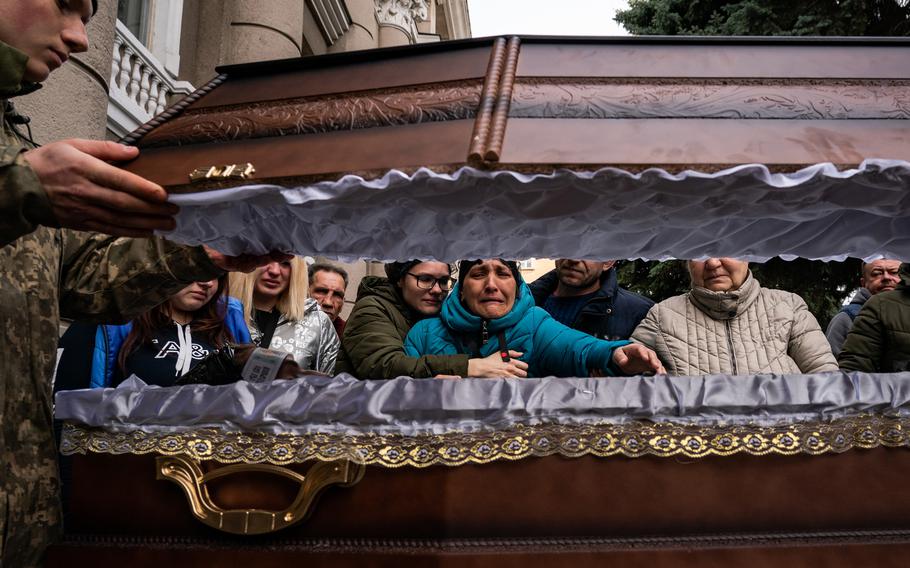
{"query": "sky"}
{"type": "Point", "coordinates": [545, 17]}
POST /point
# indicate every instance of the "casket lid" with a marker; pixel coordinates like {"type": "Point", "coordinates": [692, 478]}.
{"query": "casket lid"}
{"type": "Point", "coordinates": [530, 104]}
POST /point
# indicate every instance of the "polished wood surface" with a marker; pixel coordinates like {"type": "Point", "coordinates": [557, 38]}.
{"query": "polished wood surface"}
{"type": "Point", "coordinates": [713, 59]}
{"type": "Point", "coordinates": [676, 103]}
{"type": "Point", "coordinates": [704, 144]}
{"type": "Point", "coordinates": [538, 497]}
{"type": "Point", "coordinates": [833, 510]}
{"type": "Point", "coordinates": [344, 77]}
{"type": "Point", "coordinates": [283, 159]}
{"type": "Point", "coordinates": [282, 556]}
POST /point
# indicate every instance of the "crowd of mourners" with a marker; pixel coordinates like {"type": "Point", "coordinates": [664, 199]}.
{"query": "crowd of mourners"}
{"type": "Point", "coordinates": [575, 321]}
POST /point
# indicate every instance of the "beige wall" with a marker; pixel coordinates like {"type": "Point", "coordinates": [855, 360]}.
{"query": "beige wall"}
{"type": "Point", "coordinates": [238, 31]}
{"type": "Point", "coordinates": [540, 266]}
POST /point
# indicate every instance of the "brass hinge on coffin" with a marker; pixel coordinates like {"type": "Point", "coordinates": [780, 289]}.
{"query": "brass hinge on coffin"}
{"type": "Point", "coordinates": [227, 171]}
{"type": "Point", "coordinates": [188, 474]}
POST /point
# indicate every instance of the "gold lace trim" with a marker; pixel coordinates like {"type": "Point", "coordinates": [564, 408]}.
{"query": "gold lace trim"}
{"type": "Point", "coordinates": [632, 439]}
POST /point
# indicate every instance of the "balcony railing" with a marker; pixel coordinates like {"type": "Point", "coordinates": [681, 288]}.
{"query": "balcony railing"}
{"type": "Point", "coordinates": [140, 86]}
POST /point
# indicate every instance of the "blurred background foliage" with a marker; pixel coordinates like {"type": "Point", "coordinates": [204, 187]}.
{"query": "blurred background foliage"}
{"type": "Point", "coordinates": [767, 17]}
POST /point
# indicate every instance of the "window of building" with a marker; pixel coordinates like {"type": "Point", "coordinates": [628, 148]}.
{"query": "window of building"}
{"type": "Point", "coordinates": [134, 15]}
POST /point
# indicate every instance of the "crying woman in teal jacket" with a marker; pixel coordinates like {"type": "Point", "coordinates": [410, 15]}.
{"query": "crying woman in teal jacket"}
{"type": "Point", "coordinates": [492, 310]}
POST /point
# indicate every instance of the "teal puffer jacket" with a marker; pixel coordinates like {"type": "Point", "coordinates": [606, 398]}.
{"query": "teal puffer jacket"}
{"type": "Point", "coordinates": [548, 347]}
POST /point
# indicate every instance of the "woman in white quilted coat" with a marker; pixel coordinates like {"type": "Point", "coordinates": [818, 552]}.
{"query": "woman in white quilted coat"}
{"type": "Point", "coordinates": [729, 324]}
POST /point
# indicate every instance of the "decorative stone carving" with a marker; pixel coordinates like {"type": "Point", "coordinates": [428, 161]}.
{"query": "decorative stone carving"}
{"type": "Point", "coordinates": [543, 98]}
{"type": "Point", "coordinates": [139, 83]}
{"type": "Point", "coordinates": [403, 14]}
{"type": "Point", "coordinates": [332, 17]}
{"type": "Point", "coordinates": [386, 107]}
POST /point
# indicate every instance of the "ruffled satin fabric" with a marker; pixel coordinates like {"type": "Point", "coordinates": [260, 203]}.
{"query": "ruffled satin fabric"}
{"type": "Point", "coordinates": [819, 212]}
{"type": "Point", "coordinates": [345, 405]}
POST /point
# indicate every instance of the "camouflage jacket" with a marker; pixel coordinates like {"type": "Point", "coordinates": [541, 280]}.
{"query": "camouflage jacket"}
{"type": "Point", "coordinates": [46, 272]}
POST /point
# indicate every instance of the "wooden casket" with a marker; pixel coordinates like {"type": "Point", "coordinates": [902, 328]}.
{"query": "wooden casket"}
{"type": "Point", "coordinates": [519, 147]}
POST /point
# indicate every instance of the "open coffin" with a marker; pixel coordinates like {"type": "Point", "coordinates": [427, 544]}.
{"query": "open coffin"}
{"type": "Point", "coordinates": [528, 147]}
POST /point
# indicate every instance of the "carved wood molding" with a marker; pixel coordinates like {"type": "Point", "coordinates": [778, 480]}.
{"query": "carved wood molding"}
{"type": "Point", "coordinates": [539, 98]}
{"type": "Point", "coordinates": [371, 109]}
{"type": "Point", "coordinates": [595, 99]}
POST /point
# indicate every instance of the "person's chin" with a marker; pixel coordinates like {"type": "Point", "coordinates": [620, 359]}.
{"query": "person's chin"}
{"type": "Point", "coordinates": [491, 314]}
{"type": "Point", "coordinates": [36, 73]}
{"type": "Point", "coordinates": [430, 309]}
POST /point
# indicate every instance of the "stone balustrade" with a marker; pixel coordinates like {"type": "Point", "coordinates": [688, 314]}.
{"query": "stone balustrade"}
{"type": "Point", "coordinates": [140, 86]}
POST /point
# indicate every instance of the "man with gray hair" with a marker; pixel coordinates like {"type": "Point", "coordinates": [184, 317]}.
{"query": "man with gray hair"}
{"type": "Point", "coordinates": [877, 276]}
{"type": "Point", "coordinates": [328, 284]}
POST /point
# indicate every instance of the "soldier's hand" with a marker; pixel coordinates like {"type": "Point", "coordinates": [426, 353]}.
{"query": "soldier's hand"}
{"type": "Point", "coordinates": [244, 262]}
{"type": "Point", "coordinates": [88, 194]}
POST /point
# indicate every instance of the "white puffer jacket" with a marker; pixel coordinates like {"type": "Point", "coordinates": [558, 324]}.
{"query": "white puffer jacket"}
{"type": "Point", "coordinates": [749, 330]}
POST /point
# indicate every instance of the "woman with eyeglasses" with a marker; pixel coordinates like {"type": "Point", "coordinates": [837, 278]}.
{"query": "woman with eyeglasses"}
{"type": "Point", "coordinates": [387, 309]}
{"type": "Point", "coordinates": [491, 312]}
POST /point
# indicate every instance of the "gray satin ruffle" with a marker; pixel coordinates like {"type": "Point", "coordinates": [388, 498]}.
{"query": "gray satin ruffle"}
{"type": "Point", "coordinates": [424, 406]}
{"type": "Point", "coordinates": [819, 212]}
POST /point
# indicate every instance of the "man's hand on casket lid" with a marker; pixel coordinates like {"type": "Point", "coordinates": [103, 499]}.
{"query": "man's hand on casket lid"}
{"type": "Point", "coordinates": [88, 194]}
{"type": "Point", "coordinates": [244, 262]}
{"type": "Point", "coordinates": [493, 366]}
{"type": "Point", "coordinates": [636, 359]}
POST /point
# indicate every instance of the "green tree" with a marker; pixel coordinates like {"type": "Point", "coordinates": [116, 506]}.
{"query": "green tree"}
{"type": "Point", "coordinates": [767, 17]}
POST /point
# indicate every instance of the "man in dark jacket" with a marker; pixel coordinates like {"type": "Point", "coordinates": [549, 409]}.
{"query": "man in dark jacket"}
{"type": "Point", "coordinates": [877, 276]}
{"type": "Point", "coordinates": [879, 341]}
{"type": "Point", "coordinates": [585, 295]}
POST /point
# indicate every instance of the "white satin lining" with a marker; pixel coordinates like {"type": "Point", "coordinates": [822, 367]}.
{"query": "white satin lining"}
{"type": "Point", "coordinates": [408, 406]}
{"type": "Point", "coordinates": [819, 212]}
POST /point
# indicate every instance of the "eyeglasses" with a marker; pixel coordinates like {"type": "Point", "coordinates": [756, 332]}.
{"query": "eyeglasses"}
{"type": "Point", "coordinates": [426, 282]}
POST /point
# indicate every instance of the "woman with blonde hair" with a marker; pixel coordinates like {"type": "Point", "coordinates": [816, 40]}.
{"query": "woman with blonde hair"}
{"type": "Point", "coordinates": [281, 316]}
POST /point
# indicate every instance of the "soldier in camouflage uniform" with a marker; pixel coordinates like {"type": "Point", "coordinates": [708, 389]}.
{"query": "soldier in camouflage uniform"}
{"type": "Point", "coordinates": [47, 271]}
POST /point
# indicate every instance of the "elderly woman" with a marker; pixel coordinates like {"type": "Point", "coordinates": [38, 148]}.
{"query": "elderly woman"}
{"type": "Point", "coordinates": [727, 323]}
{"type": "Point", "coordinates": [491, 310]}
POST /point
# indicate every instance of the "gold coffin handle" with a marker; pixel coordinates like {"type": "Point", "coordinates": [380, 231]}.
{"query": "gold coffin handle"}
{"type": "Point", "coordinates": [186, 473]}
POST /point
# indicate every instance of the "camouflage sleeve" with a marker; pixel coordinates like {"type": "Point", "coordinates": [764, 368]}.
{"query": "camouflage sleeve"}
{"type": "Point", "coordinates": [113, 279]}
{"type": "Point", "coordinates": [23, 203]}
